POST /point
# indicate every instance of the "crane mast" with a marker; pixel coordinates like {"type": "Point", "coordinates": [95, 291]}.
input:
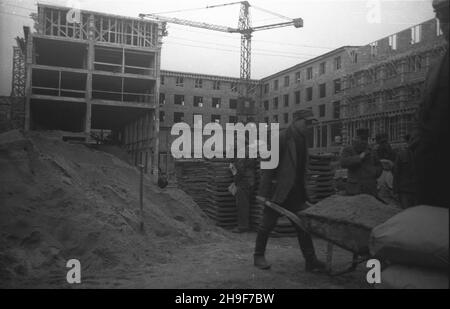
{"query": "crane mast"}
{"type": "Point", "coordinates": [245, 29]}
{"type": "Point", "coordinates": [246, 48]}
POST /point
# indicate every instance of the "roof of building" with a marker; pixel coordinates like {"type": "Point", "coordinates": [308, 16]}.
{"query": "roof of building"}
{"type": "Point", "coordinates": [205, 76]}
{"type": "Point", "coordinates": [312, 60]}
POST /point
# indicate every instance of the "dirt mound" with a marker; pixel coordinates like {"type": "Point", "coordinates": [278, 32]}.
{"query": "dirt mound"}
{"type": "Point", "coordinates": [61, 201]}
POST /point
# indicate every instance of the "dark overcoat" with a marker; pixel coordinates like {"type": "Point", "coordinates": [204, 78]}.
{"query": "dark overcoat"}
{"type": "Point", "coordinates": [362, 173]}
{"type": "Point", "coordinates": [285, 184]}
{"type": "Point", "coordinates": [430, 138]}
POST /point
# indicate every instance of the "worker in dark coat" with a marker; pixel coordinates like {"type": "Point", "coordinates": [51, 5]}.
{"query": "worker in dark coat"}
{"type": "Point", "coordinates": [405, 186]}
{"type": "Point", "coordinates": [244, 180]}
{"type": "Point", "coordinates": [430, 138]}
{"type": "Point", "coordinates": [285, 186]}
{"type": "Point", "coordinates": [362, 164]}
{"type": "Point", "coordinates": [384, 149]}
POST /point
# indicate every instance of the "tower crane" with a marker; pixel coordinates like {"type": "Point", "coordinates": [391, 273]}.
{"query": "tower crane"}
{"type": "Point", "coordinates": [246, 30]}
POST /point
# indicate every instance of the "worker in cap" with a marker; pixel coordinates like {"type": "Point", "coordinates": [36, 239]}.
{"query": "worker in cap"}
{"type": "Point", "coordinates": [285, 186]}
{"type": "Point", "coordinates": [405, 186]}
{"type": "Point", "coordinates": [384, 149]}
{"type": "Point", "coordinates": [362, 164]}
{"type": "Point", "coordinates": [430, 136]}
{"type": "Point", "coordinates": [244, 171]}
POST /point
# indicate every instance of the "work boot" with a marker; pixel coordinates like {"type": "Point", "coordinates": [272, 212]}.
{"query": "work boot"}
{"type": "Point", "coordinates": [314, 265]}
{"type": "Point", "coordinates": [260, 262]}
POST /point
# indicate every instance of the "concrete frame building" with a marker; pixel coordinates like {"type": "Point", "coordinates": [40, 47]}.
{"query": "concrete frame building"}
{"type": "Point", "coordinates": [100, 72]}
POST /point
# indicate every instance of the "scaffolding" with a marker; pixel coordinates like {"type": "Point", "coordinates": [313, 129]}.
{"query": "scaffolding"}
{"type": "Point", "coordinates": [384, 96]}
{"type": "Point", "coordinates": [18, 73]}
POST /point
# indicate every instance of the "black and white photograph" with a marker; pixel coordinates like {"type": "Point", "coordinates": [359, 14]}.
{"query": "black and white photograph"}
{"type": "Point", "coordinates": [224, 152]}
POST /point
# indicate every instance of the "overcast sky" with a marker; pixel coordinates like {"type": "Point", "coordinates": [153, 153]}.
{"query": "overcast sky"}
{"type": "Point", "coordinates": [328, 24]}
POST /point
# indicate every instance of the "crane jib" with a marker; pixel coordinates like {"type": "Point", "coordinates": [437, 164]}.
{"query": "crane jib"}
{"type": "Point", "coordinates": [245, 29]}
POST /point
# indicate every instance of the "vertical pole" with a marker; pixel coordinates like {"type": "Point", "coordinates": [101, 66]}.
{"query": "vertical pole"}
{"type": "Point", "coordinates": [329, 256]}
{"type": "Point", "coordinates": [121, 89]}
{"type": "Point", "coordinates": [28, 81]}
{"type": "Point", "coordinates": [155, 136]}
{"type": "Point", "coordinates": [167, 156]}
{"type": "Point", "coordinates": [123, 62]}
{"type": "Point", "coordinates": [90, 67]}
{"type": "Point", "coordinates": [59, 83]}
{"type": "Point", "coordinates": [141, 196]}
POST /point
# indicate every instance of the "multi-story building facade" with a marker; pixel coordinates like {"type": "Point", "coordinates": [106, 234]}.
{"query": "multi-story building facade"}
{"type": "Point", "coordinates": [87, 70]}
{"type": "Point", "coordinates": [184, 95]}
{"type": "Point", "coordinates": [384, 93]}
{"type": "Point", "coordinates": [315, 84]}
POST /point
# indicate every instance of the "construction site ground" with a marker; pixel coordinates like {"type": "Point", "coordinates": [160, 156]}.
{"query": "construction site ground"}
{"type": "Point", "coordinates": [60, 201]}
{"type": "Point", "coordinates": [228, 265]}
{"type": "Point", "coordinates": [224, 265]}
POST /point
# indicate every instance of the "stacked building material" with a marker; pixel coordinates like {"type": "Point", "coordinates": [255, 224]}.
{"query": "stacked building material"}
{"type": "Point", "coordinates": [256, 207]}
{"type": "Point", "coordinates": [319, 177]}
{"type": "Point", "coordinates": [192, 178]}
{"type": "Point", "coordinates": [221, 205]}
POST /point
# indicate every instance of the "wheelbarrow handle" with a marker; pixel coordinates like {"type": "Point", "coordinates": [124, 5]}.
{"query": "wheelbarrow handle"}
{"type": "Point", "coordinates": [292, 216]}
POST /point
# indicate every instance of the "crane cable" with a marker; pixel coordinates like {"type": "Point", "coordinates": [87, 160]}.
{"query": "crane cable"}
{"type": "Point", "coordinates": [195, 9]}
{"type": "Point", "coordinates": [225, 4]}
{"type": "Point", "coordinates": [178, 11]}
{"type": "Point", "coordinates": [272, 13]}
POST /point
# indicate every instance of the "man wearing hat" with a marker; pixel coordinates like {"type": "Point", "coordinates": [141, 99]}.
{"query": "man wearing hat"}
{"type": "Point", "coordinates": [285, 186]}
{"type": "Point", "coordinates": [363, 166]}
{"type": "Point", "coordinates": [244, 180]}
{"type": "Point", "coordinates": [430, 137]}
{"type": "Point", "coordinates": [405, 185]}
{"type": "Point", "coordinates": [384, 149]}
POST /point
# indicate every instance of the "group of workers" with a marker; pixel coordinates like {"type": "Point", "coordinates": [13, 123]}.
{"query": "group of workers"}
{"type": "Point", "coordinates": [379, 171]}
{"type": "Point", "coordinates": [420, 170]}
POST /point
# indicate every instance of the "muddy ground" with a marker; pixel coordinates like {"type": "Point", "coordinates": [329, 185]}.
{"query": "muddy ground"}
{"type": "Point", "coordinates": [227, 265]}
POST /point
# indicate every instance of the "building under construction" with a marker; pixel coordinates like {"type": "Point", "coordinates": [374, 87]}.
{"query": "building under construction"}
{"type": "Point", "coordinates": [384, 93]}
{"type": "Point", "coordinates": [97, 72]}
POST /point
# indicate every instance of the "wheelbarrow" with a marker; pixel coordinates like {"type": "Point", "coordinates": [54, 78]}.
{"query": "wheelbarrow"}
{"type": "Point", "coordinates": [350, 236]}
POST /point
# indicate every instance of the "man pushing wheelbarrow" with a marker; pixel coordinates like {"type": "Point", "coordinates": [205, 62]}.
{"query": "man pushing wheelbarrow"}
{"type": "Point", "coordinates": [285, 186]}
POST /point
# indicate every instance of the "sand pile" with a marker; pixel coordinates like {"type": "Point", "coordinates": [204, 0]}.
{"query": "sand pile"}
{"type": "Point", "coordinates": [361, 209]}
{"type": "Point", "coordinates": [347, 220]}
{"type": "Point", "coordinates": [60, 201]}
